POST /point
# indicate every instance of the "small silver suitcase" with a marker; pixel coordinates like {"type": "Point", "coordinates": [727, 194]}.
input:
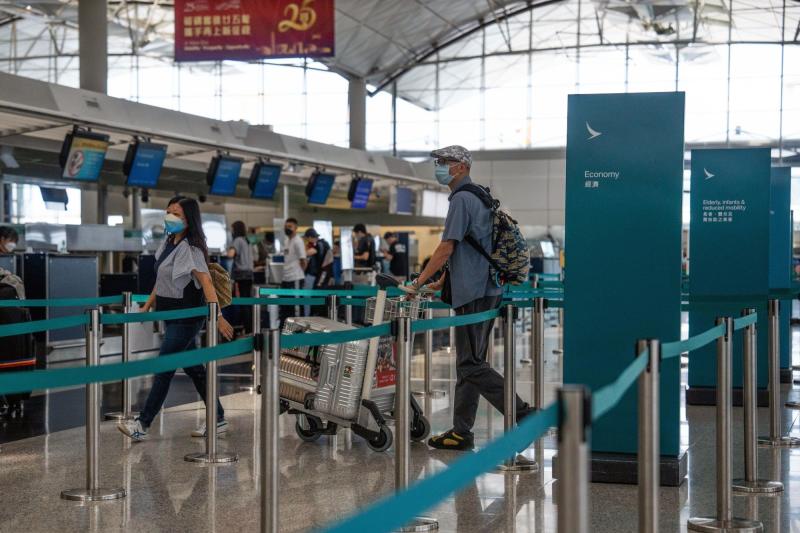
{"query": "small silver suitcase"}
{"type": "Point", "coordinates": [341, 376]}
{"type": "Point", "coordinates": [341, 368]}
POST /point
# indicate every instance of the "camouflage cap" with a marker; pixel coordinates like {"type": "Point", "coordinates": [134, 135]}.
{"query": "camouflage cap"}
{"type": "Point", "coordinates": [454, 153]}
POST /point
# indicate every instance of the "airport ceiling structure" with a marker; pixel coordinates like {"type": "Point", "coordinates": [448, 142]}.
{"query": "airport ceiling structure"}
{"type": "Point", "coordinates": [392, 42]}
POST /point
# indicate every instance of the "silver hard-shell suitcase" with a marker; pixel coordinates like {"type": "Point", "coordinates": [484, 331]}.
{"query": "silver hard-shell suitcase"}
{"type": "Point", "coordinates": [341, 376]}
{"type": "Point", "coordinates": [341, 367]}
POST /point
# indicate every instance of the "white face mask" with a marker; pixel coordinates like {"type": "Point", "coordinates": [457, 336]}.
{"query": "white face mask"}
{"type": "Point", "coordinates": [11, 246]}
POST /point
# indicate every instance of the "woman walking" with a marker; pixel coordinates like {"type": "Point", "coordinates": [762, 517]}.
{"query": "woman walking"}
{"type": "Point", "coordinates": [182, 282]}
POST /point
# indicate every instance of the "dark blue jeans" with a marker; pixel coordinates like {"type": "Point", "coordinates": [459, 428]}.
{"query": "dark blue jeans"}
{"type": "Point", "coordinates": [178, 338]}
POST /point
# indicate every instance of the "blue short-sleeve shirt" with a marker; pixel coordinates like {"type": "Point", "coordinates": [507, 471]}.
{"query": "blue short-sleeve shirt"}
{"type": "Point", "coordinates": [469, 270]}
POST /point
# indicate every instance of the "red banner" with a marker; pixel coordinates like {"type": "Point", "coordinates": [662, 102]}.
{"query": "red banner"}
{"type": "Point", "coordinates": [209, 30]}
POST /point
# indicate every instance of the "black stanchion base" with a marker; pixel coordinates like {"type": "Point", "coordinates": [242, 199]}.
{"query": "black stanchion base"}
{"type": "Point", "coordinates": [708, 396]}
{"type": "Point", "coordinates": [786, 375]}
{"type": "Point", "coordinates": [622, 468]}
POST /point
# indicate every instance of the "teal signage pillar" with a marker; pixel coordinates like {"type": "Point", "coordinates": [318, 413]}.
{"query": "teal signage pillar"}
{"type": "Point", "coordinates": [780, 258]}
{"type": "Point", "coordinates": [623, 235]}
{"type": "Point", "coordinates": [728, 258]}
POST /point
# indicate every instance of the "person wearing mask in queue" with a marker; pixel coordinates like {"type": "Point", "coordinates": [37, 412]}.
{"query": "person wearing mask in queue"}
{"type": "Point", "coordinates": [8, 239]}
{"type": "Point", "coordinates": [242, 273]}
{"type": "Point", "coordinates": [472, 291]}
{"type": "Point", "coordinates": [320, 265]}
{"type": "Point", "coordinates": [294, 265]}
{"type": "Point", "coordinates": [364, 255]}
{"type": "Point", "coordinates": [182, 282]}
{"type": "Point", "coordinates": [397, 256]}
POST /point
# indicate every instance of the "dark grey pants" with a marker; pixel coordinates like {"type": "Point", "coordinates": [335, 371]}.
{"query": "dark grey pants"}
{"type": "Point", "coordinates": [475, 377]}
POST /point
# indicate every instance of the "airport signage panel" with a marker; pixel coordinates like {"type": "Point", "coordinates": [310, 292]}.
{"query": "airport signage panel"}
{"type": "Point", "coordinates": [729, 240]}
{"type": "Point", "coordinates": [780, 252]}
{"type": "Point", "coordinates": [623, 248]}
{"type": "Point", "coordinates": [211, 30]}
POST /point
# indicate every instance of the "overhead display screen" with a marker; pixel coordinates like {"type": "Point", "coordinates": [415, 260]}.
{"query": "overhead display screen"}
{"type": "Point", "coordinates": [264, 180]}
{"type": "Point", "coordinates": [143, 164]}
{"type": "Point", "coordinates": [360, 190]}
{"type": "Point", "coordinates": [223, 175]}
{"type": "Point", "coordinates": [404, 201]}
{"type": "Point", "coordinates": [319, 188]}
{"type": "Point", "coordinates": [83, 154]}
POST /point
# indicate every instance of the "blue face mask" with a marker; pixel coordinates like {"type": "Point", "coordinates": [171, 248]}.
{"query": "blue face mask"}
{"type": "Point", "coordinates": [442, 174]}
{"type": "Point", "coordinates": [173, 224]}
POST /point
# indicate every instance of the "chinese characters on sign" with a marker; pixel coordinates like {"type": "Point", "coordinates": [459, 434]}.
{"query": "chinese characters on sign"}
{"type": "Point", "coordinates": [722, 211]}
{"type": "Point", "coordinates": [208, 30]}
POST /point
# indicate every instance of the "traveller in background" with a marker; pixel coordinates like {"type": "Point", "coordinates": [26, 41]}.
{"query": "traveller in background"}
{"type": "Point", "coordinates": [337, 263]}
{"type": "Point", "coordinates": [364, 255]}
{"type": "Point", "coordinates": [294, 265]}
{"type": "Point", "coordinates": [320, 265]}
{"type": "Point", "coordinates": [472, 291]}
{"type": "Point", "coordinates": [242, 274]}
{"type": "Point", "coordinates": [8, 239]}
{"type": "Point", "coordinates": [397, 256]}
{"type": "Point", "coordinates": [182, 282]}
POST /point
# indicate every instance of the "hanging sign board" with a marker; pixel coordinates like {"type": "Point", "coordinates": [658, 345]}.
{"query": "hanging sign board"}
{"type": "Point", "coordinates": [213, 30]}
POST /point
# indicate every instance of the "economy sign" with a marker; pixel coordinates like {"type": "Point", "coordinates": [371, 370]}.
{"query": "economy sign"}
{"type": "Point", "coordinates": [623, 246]}
{"type": "Point", "coordinates": [211, 30]}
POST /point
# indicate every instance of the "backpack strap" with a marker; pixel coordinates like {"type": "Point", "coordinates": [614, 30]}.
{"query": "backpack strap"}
{"type": "Point", "coordinates": [490, 203]}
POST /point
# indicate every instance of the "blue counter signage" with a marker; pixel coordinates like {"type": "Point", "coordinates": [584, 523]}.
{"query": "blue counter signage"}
{"type": "Point", "coordinates": [728, 255]}
{"type": "Point", "coordinates": [780, 252]}
{"type": "Point", "coordinates": [623, 241]}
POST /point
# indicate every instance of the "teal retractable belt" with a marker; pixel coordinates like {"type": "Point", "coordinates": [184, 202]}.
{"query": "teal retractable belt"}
{"type": "Point", "coordinates": [64, 302]}
{"type": "Point", "coordinates": [154, 316]}
{"type": "Point", "coordinates": [66, 377]}
{"type": "Point", "coordinates": [36, 326]}
{"type": "Point", "coordinates": [674, 349]}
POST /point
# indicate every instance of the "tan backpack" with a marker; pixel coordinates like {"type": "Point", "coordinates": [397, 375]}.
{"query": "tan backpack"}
{"type": "Point", "coordinates": [223, 285]}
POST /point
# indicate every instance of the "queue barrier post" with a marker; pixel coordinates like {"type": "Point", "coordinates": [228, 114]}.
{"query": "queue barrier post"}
{"type": "Point", "coordinates": [127, 394]}
{"type": "Point", "coordinates": [211, 455]}
{"type": "Point", "coordinates": [751, 484]}
{"type": "Point", "coordinates": [574, 433]}
{"type": "Point", "coordinates": [255, 367]}
{"type": "Point", "coordinates": [724, 519]}
{"type": "Point", "coordinates": [92, 492]}
{"type": "Point", "coordinates": [649, 445]}
{"type": "Point", "coordinates": [775, 438]}
{"type": "Point", "coordinates": [332, 307]}
{"type": "Point", "coordinates": [428, 368]}
{"type": "Point", "coordinates": [402, 408]}
{"type": "Point", "coordinates": [560, 349]}
{"type": "Point", "coordinates": [537, 353]}
{"type": "Point", "coordinates": [270, 409]}
{"type": "Point", "coordinates": [518, 463]}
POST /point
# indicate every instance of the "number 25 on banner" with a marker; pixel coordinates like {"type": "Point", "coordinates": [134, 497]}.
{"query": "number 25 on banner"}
{"type": "Point", "coordinates": [300, 18]}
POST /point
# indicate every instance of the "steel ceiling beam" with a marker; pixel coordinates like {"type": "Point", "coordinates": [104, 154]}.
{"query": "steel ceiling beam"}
{"type": "Point", "coordinates": [437, 47]}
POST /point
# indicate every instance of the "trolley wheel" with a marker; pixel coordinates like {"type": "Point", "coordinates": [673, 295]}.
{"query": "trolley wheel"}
{"type": "Point", "coordinates": [421, 430]}
{"type": "Point", "coordinates": [382, 441]}
{"type": "Point", "coordinates": [314, 428]}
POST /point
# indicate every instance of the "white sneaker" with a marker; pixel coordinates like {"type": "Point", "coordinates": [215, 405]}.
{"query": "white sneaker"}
{"type": "Point", "coordinates": [133, 429]}
{"type": "Point", "coordinates": [222, 428]}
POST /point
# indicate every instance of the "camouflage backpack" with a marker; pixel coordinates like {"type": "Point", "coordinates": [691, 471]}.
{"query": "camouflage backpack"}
{"type": "Point", "coordinates": [509, 260]}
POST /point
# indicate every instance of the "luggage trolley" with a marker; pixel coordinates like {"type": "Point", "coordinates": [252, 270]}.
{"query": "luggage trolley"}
{"type": "Point", "coordinates": [325, 386]}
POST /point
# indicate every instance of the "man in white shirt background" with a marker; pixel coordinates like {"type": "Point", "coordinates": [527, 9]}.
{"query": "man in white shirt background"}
{"type": "Point", "coordinates": [294, 265]}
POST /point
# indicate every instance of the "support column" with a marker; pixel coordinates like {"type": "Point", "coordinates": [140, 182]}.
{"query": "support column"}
{"type": "Point", "coordinates": [136, 210]}
{"type": "Point", "coordinates": [92, 16]}
{"type": "Point", "coordinates": [357, 103]}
